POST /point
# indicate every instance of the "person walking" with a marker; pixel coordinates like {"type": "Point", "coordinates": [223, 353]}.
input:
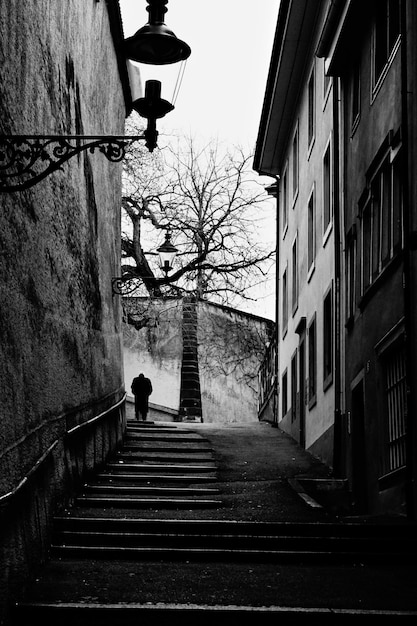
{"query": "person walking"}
{"type": "Point", "coordinates": [141, 389]}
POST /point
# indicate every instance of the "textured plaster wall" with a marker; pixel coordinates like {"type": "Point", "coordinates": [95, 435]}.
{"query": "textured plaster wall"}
{"type": "Point", "coordinates": [60, 341]}
{"type": "Point", "coordinates": [227, 395]}
{"type": "Point", "coordinates": [156, 351]}
{"type": "Point", "coordinates": [228, 373]}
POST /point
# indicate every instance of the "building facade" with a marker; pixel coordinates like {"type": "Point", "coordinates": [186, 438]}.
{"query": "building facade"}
{"type": "Point", "coordinates": [377, 82]}
{"type": "Point", "coordinates": [296, 145]}
{"type": "Point", "coordinates": [357, 338]}
{"type": "Point", "coordinates": [62, 73]}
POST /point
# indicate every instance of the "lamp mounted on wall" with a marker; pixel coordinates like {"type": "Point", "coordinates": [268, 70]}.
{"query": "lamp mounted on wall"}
{"type": "Point", "coordinates": [128, 283]}
{"type": "Point", "coordinates": [25, 160]}
{"type": "Point", "coordinates": [167, 253]}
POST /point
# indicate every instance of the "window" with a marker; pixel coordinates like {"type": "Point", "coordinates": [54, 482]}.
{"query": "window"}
{"type": "Point", "coordinates": [312, 363]}
{"type": "Point", "coordinates": [284, 301]}
{"type": "Point", "coordinates": [294, 386]}
{"type": "Point", "coordinates": [295, 165]}
{"type": "Point", "coordinates": [327, 190]}
{"type": "Point", "coordinates": [311, 237]}
{"type": "Point", "coordinates": [311, 107]}
{"type": "Point", "coordinates": [295, 282]}
{"type": "Point", "coordinates": [381, 221]}
{"type": "Point", "coordinates": [356, 95]}
{"type": "Point", "coordinates": [386, 34]}
{"type": "Point", "coordinates": [284, 394]}
{"type": "Point", "coordinates": [351, 274]}
{"type": "Point", "coordinates": [326, 80]}
{"type": "Point", "coordinates": [284, 201]}
{"type": "Point", "coordinates": [328, 339]}
{"type": "Point", "coordinates": [394, 456]}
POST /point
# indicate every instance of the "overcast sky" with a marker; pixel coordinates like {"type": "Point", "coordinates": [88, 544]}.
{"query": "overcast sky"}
{"type": "Point", "coordinates": [224, 82]}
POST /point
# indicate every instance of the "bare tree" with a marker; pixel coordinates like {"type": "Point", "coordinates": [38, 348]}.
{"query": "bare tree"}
{"type": "Point", "coordinates": [210, 201]}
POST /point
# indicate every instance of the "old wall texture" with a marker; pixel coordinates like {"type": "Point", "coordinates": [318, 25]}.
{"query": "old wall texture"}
{"type": "Point", "coordinates": [156, 351]}
{"type": "Point", "coordinates": [60, 341]}
{"type": "Point", "coordinates": [231, 346]}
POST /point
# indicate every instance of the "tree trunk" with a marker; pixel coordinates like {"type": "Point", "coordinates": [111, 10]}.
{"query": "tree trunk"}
{"type": "Point", "coordinates": [190, 393]}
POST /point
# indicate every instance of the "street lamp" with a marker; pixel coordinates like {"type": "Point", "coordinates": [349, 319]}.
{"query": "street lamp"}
{"type": "Point", "coordinates": [167, 253]}
{"type": "Point", "coordinates": [128, 283]}
{"type": "Point", "coordinates": [25, 160]}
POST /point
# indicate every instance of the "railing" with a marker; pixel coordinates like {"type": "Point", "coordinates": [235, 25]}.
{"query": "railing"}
{"type": "Point", "coordinates": [5, 499]}
{"type": "Point", "coordinates": [8, 496]}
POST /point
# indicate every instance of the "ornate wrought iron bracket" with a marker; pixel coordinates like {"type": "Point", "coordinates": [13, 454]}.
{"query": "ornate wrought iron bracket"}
{"type": "Point", "coordinates": [123, 286]}
{"type": "Point", "coordinates": [25, 160]}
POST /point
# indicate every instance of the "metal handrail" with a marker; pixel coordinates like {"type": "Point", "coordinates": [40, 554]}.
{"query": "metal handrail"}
{"type": "Point", "coordinates": [10, 494]}
{"type": "Point", "coordinates": [96, 418]}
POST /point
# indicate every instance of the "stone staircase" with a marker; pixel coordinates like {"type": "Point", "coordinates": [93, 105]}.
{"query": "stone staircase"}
{"type": "Point", "coordinates": [158, 467]}
{"type": "Point", "coordinates": [142, 532]}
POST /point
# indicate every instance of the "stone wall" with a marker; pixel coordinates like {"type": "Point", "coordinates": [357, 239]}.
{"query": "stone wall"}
{"type": "Point", "coordinates": [60, 341]}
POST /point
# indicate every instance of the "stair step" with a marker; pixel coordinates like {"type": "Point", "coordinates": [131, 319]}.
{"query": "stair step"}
{"type": "Point", "coordinates": [225, 542]}
{"type": "Point", "coordinates": [223, 554]}
{"type": "Point", "coordinates": [156, 478]}
{"type": "Point", "coordinates": [160, 502]}
{"type": "Point", "coordinates": [137, 490]}
{"type": "Point", "coordinates": [189, 448]}
{"type": "Point", "coordinates": [134, 436]}
{"type": "Point", "coordinates": [140, 428]}
{"type": "Point", "coordinates": [238, 528]}
{"type": "Point", "coordinates": [168, 457]}
{"type": "Point", "coordinates": [171, 614]}
{"type": "Point", "coordinates": [161, 467]}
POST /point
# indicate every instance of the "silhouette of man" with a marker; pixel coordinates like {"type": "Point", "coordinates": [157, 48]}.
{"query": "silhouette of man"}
{"type": "Point", "coordinates": [141, 389]}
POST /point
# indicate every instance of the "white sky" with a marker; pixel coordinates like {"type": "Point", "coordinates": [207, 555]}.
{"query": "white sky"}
{"type": "Point", "coordinates": [225, 77]}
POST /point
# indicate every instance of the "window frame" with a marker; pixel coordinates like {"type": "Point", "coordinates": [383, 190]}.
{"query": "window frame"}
{"type": "Point", "coordinates": [294, 385]}
{"type": "Point", "coordinates": [328, 338]}
{"type": "Point", "coordinates": [284, 311]}
{"type": "Point", "coordinates": [284, 201]}
{"type": "Point", "coordinates": [295, 165]}
{"type": "Point", "coordinates": [295, 279]}
{"type": "Point", "coordinates": [311, 109]}
{"type": "Point", "coordinates": [328, 190]}
{"type": "Point", "coordinates": [391, 45]}
{"type": "Point", "coordinates": [375, 216]}
{"type": "Point", "coordinates": [356, 88]}
{"type": "Point", "coordinates": [311, 253]}
{"type": "Point", "coordinates": [312, 362]}
{"type": "Point", "coordinates": [284, 393]}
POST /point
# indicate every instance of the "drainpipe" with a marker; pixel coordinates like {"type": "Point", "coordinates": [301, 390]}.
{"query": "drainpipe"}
{"type": "Point", "coordinates": [277, 267]}
{"type": "Point", "coordinates": [410, 246]}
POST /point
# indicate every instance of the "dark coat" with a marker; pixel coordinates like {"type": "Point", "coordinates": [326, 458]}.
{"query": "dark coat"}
{"type": "Point", "coordinates": [142, 389]}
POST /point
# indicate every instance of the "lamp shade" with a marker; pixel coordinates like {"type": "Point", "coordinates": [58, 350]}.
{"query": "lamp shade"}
{"type": "Point", "coordinates": [155, 43]}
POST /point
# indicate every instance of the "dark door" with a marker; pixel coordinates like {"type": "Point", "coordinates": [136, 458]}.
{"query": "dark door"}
{"type": "Point", "coordinates": [359, 465]}
{"type": "Point", "coordinates": [301, 365]}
